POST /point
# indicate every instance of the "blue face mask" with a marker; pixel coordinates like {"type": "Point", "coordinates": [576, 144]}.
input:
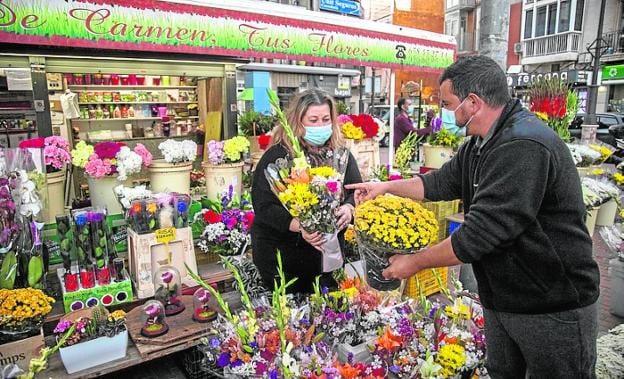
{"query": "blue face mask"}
{"type": "Point", "coordinates": [318, 135]}
{"type": "Point", "coordinates": [449, 121]}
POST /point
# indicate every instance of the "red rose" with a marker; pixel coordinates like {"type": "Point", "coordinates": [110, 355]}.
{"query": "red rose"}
{"type": "Point", "coordinates": [366, 123]}
{"type": "Point", "coordinates": [212, 217]}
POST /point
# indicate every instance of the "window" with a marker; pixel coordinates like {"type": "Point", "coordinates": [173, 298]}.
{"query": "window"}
{"type": "Point", "coordinates": [528, 24]}
{"type": "Point", "coordinates": [578, 22]}
{"type": "Point", "coordinates": [564, 16]}
{"type": "Point", "coordinates": [552, 19]}
{"type": "Point", "coordinates": [540, 22]}
{"type": "Point", "coordinates": [607, 121]}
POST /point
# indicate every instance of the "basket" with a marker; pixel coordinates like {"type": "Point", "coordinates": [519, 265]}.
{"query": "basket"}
{"type": "Point", "coordinates": [442, 210]}
{"type": "Point", "coordinates": [428, 283]}
{"type": "Point", "coordinates": [194, 366]}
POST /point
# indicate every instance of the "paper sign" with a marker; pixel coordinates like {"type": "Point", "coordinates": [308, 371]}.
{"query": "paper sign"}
{"type": "Point", "coordinates": [165, 235]}
{"type": "Point", "coordinates": [18, 79]}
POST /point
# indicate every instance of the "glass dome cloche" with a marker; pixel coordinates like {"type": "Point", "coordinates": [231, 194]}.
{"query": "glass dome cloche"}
{"type": "Point", "coordinates": [168, 290]}
{"type": "Point", "coordinates": [154, 319]}
{"type": "Point", "coordinates": [202, 311]}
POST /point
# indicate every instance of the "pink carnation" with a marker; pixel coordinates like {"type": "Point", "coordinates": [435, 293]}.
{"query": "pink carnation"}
{"type": "Point", "coordinates": [107, 150]}
{"type": "Point", "coordinates": [343, 119]}
{"type": "Point", "coordinates": [97, 167]}
{"type": "Point", "coordinates": [146, 156]}
{"type": "Point", "coordinates": [332, 187]}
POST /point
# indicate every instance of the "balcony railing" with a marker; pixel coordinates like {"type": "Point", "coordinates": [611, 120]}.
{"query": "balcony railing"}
{"type": "Point", "coordinates": [452, 5]}
{"type": "Point", "coordinates": [465, 42]}
{"type": "Point", "coordinates": [615, 42]}
{"type": "Point", "coordinates": [554, 44]}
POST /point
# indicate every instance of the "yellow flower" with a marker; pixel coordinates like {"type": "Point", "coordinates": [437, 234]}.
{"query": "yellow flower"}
{"type": "Point", "coordinates": [350, 235]}
{"type": "Point", "coordinates": [541, 115]}
{"type": "Point", "coordinates": [618, 178]}
{"type": "Point", "coordinates": [324, 171]}
{"type": "Point", "coordinates": [451, 357]}
{"type": "Point", "coordinates": [298, 198]}
{"type": "Point", "coordinates": [234, 148]}
{"type": "Point", "coordinates": [351, 131]}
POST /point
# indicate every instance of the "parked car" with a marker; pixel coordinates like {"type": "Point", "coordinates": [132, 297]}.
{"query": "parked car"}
{"type": "Point", "coordinates": [605, 120]}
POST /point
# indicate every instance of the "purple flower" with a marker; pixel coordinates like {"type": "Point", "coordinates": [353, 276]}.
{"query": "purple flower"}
{"type": "Point", "coordinates": [224, 359]}
{"type": "Point", "coordinates": [231, 223]}
{"type": "Point", "coordinates": [253, 344]}
{"type": "Point", "coordinates": [436, 124]}
{"type": "Point", "coordinates": [350, 358]}
{"type": "Point", "coordinates": [237, 363]}
{"type": "Point", "coordinates": [266, 355]}
{"type": "Point", "coordinates": [62, 326]}
{"type": "Point", "coordinates": [203, 296]}
{"type": "Point", "coordinates": [166, 277]}
{"type": "Point", "coordinates": [261, 368]}
{"type": "Point", "coordinates": [4, 192]}
{"type": "Point", "coordinates": [395, 369]}
{"type": "Point", "coordinates": [324, 290]}
{"type": "Point", "coordinates": [152, 310]}
{"type": "Point", "coordinates": [273, 374]}
{"type": "Point", "coordinates": [405, 328]}
{"type": "Point", "coordinates": [214, 342]}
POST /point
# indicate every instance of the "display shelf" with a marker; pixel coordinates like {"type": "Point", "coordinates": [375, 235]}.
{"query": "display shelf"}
{"type": "Point", "coordinates": [116, 119]}
{"type": "Point", "coordinates": [134, 139]}
{"type": "Point", "coordinates": [93, 86]}
{"type": "Point", "coordinates": [185, 117]}
{"type": "Point", "coordinates": [136, 102]}
{"type": "Point", "coordinates": [16, 131]}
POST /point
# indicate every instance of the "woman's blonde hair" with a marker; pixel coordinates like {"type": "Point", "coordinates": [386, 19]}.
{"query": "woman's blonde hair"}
{"type": "Point", "coordinates": [298, 108]}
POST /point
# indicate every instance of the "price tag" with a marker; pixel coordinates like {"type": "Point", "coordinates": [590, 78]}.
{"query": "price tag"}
{"type": "Point", "coordinates": [165, 235]}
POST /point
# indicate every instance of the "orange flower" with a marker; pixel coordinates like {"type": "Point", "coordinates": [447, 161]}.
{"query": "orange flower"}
{"type": "Point", "coordinates": [348, 372]}
{"type": "Point", "coordinates": [136, 208]}
{"type": "Point", "coordinates": [388, 341]}
{"type": "Point", "coordinates": [300, 175]}
{"type": "Point", "coordinates": [451, 340]}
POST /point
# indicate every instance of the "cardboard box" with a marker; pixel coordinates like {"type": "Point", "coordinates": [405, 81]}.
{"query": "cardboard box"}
{"type": "Point", "coordinates": [20, 352]}
{"type": "Point", "coordinates": [146, 255]}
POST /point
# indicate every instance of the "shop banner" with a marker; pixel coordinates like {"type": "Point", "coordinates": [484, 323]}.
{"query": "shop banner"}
{"type": "Point", "coordinates": [613, 72]}
{"type": "Point", "coordinates": [150, 25]}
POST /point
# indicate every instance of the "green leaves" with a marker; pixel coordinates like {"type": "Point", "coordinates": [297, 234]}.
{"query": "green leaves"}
{"type": "Point", "coordinates": [35, 271]}
{"type": "Point", "coordinates": [8, 271]}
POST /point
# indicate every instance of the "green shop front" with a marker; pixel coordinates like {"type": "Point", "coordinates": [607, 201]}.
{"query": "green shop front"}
{"type": "Point", "coordinates": [611, 91]}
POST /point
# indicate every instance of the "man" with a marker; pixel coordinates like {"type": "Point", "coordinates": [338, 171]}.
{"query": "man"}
{"type": "Point", "coordinates": [403, 124]}
{"type": "Point", "coordinates": [524, 230]}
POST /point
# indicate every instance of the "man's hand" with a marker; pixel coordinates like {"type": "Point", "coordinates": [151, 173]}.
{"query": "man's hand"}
{"type": "Point", "coordinates": [401, 267]}
{"type": "Point", "coordinates": [367, 191]}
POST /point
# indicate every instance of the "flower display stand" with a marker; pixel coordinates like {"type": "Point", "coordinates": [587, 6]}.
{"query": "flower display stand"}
{"type": "Point", "coordinates": [102, 194]}
{"type": "Point", "coordinates": [220, 177]}
{"type": "Point", "coordinates": [21, 351]}
{"type": "Point", "coordinates": [111, 294]}
{"type": "Point", "coordinates": [146, 255]}
{"type": "Point", "coordinates": [169, 177]}
{"type": "Point", "coordinates": [436, 156]}
{"type": "Point", "coordinates": [606, 214]}
{"type": "Point", "coordinates": [84, 355]}
{"type": "Point", "coordinates": [55, 183]}
{"type": "Point", "coordinates": [366, 153]}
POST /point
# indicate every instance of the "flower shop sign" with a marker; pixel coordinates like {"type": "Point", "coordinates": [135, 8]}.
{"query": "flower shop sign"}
{"type": "Point", "coordinates": [183, 28]}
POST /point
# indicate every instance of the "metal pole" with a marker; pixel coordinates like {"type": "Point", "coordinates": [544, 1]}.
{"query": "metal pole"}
{"type": "Point", "coordinates": [362, 77]}
{"type": "Point", "coordinates": [593, 88]}
{"type": "Point", "coordinates": [391, 120]}
{"type": "Point", "coordinates": [372, 104]}
{"type": "Point", "coordinates": [494, 32]}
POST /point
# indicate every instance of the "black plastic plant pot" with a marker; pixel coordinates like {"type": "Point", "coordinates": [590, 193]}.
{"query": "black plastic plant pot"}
{"type": "Point", "coordinates": [377, 261]}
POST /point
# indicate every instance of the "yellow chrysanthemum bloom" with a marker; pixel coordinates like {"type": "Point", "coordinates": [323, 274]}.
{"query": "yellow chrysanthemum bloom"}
{"type": "Point", "coordinates": [324, 171]}
{"type": "Point", "coordinates": [451, 357]}
{"type": "Point", "coordinates": [351, 131]}
{"type": "Point", "coordinates": [618, 178]}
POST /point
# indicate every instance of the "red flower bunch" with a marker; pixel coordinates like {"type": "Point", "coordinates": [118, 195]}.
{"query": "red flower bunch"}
{"type": "Point", "coordinates": [366, 123]}
{"type": "Point", "coordinates": [33, 143]}
{"type": "Point", "coordinates": [212, 217]}
{"type": "Point", "coordinates": [107, 150]}
{"type": "Point", "coordinates": [554, 107]}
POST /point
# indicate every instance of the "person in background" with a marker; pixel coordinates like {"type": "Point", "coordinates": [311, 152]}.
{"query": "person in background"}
{"type": "Point", "coordinates": [524, 231]}
{"type": "Point", "coordinates": [403, 124]}
{"type": "Point", "coordinates": [312, 116]}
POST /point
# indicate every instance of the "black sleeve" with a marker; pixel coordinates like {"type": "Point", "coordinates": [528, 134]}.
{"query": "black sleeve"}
{"type": "Point", "coordinates": [352, 175]}
{"type": "Point", "coordinates": [511, 185]}
{"type": "Point", "coordinates": [268, 209]}
{"type": "Point", "coordinates": [445, 183]}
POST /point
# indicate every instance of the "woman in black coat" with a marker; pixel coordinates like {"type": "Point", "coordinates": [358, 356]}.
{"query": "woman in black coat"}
{"type": "Point", "coordinates": [312, 116]}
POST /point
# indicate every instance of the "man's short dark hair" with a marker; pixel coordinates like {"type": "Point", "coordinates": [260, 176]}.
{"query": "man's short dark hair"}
{"type": "Point", "coordinates": [401, 102]}
{"type": "Point", "coordinates": [480, 75]}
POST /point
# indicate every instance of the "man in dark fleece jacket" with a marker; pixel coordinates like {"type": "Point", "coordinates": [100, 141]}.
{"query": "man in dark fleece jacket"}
{"type": "Point", "coordinates": [524, 230]}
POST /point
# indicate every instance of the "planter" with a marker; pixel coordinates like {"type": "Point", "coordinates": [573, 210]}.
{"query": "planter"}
{"type": "Point", "coordinates": [93, 353]}
{"type": "Point", "coordinates": [590, 220]}
{"type": "Point", "coordinates": [103, 195]}
{"type": "Point", "coordinates": [254, 145]}
{"type": "Point", "coordinates": [436, 156]}
{"type": "Point", "coordinates": [170, 177]}
{"type": "Point", "coordinates": [220, 177]}
{"type": "Point", "coordinates": [606, 214]}
{"type": "Point", "coordinates": [583, 171]}
{"type": "Point", "coordinates": [55, 183]}
{"type": "Point", "coordinates": [361, 352]}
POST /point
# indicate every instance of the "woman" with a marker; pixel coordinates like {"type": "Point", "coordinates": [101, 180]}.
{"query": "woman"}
{"type": "Point", "coordinates": [312, 116]}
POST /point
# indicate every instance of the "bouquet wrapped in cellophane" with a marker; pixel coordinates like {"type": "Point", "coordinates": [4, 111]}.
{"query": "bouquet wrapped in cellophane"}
{"type": "Point", "coordinates": [309, 194]}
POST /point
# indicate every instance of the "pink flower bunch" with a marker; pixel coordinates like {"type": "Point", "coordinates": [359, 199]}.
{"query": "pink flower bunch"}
{"type": "Point", "coordinates": [215, 152]}
{"type": "Point", "coordinates": [145, 155]}
{"type": "Point", "coordinates": [343, 119]}
{"type": "Point", "coordinates": [107, 150]}
{"type": "Point", "coordinates": [98, 168]}
{"type": "Point", "coordinates": [56, 152]}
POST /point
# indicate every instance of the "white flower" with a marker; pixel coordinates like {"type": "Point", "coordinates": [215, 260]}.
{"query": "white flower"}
{"type": "Point", "coordinates": [128, 163]}
{"type": "Point", "coordinates": [127, 195]}
{"type": "Point", "coordinates": [178, 151]}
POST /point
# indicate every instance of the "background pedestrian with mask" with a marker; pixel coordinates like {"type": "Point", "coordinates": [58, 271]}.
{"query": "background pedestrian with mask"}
{"type": "Point", "coordinates": [403, 124]}
{"type": "Point", "coordinates": [524, 229]}
{"type": "Point", "coordinates": [312, 116]}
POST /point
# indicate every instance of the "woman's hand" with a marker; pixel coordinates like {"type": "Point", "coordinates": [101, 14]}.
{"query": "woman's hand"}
{"type": "Point", "coordinates": [315, 239]}
{"type": "Point", "coordinates": [345, 215]}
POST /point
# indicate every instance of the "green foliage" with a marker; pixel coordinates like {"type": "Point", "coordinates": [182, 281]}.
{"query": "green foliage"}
{"type": "Point", "coordinates": [252, 123]}
{"type": "Point", "coordinates": [342, 108]}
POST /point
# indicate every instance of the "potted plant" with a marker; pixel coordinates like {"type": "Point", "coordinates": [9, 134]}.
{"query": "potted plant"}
{"type": "Point", "coordinates": [440, 148]}
{"type": "Point", "coordinates": [56, 156]}
{"type": "Point", "coordinates": [360, 131]}
{"type": "Point", "coordinates": [105, 165]}
{"type": "Point", "coordinates": [22, 312]}
{"type": "Point", "coordinates": [224, 167]}
{"type": "Point", "coordinates": [254, 125]}
{"type": "Point", "coordinates": [173, 173]}
{"type": "Point", "coordinates": [97, 338]}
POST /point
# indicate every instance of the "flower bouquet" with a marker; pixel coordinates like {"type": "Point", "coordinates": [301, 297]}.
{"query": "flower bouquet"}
{"type": "Point", "coordinates": [391, 225]}
{"type": "Point", "coordinates": [554, 103]}
{"type": "Point", "coordinates": [110, 158]}
{"type": "Point", "coordinates": [226, 225]}
{"type": "Point", "coordinates": [358, 127]}
{"type": "Point", "coordinates": [22, 312]}
{"type": "Point", "coordinates": [309, 194]}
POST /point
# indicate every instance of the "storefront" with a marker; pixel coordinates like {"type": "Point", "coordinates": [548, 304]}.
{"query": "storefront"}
{"type": "Point", "coordinates": [612, 86]}
{"type": "Point", "coordinates": [519, 84]}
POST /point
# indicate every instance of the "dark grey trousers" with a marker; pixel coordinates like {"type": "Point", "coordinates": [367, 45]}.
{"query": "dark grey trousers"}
{"type": "Point", "coordinates": [550, 345]}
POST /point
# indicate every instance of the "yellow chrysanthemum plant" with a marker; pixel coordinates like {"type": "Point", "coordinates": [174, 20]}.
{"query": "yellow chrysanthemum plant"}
{"type": "Point", "coordinates": [23, 309]}
{"type": "Point", "coordinates": [390, 225]}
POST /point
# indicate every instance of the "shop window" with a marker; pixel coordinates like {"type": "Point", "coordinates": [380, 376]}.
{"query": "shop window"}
{"type": "Point", "coordinates": [578, 21]}
{"type": "Point", "coordinates": [552, 19]}
{"type": "Point", "coordinates": [528, 24]}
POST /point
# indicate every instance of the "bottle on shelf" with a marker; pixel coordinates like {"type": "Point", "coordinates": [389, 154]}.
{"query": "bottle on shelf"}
{"type": "Point", "coordinates": [131, 113]}
{"type": "Point", "coordinates": [124, 111]}
{"type": "Point", "coordinates": [99, 113]}
{"type": "Point", "coordinates": [106, 112]}
{"type": "Point", "coordinates": [117, 112]}
{"type": "Point", "coordinates": [91, 112]}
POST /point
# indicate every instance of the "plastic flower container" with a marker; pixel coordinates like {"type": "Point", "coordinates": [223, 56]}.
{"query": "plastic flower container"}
{"type": "Point", "coordinates": [84, 355]}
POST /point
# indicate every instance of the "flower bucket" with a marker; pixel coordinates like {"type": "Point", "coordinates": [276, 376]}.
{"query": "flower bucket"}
{"type": "Point", "coordinates": [170, 177]}
{"type": "Point", "coordinates": [361, 352]}
{"type": "Point", "coordinates": [583, 171]}
{"type": "Point", "coordinates": [103, 195]}
{"type": "Point", "coordinates": [220, 177]}
{"type": "Point", "coordinates": [55, 183]}
{"type": "Point", "coordinates": [606, 214]}
{"type": "Point", "coordinates": [82, 356]}
{"type": "Point", "coordinates": [254, 145]}
{"type": "Point", "coordinates": [436, 156]}
{"type": "Point", "coordinates": [590, 220]}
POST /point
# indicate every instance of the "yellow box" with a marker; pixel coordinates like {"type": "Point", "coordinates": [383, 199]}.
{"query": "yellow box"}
{"type": "Point", "coordinates": [442, 210]}
{"type": "Point", "coordinates": [428, 283]}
